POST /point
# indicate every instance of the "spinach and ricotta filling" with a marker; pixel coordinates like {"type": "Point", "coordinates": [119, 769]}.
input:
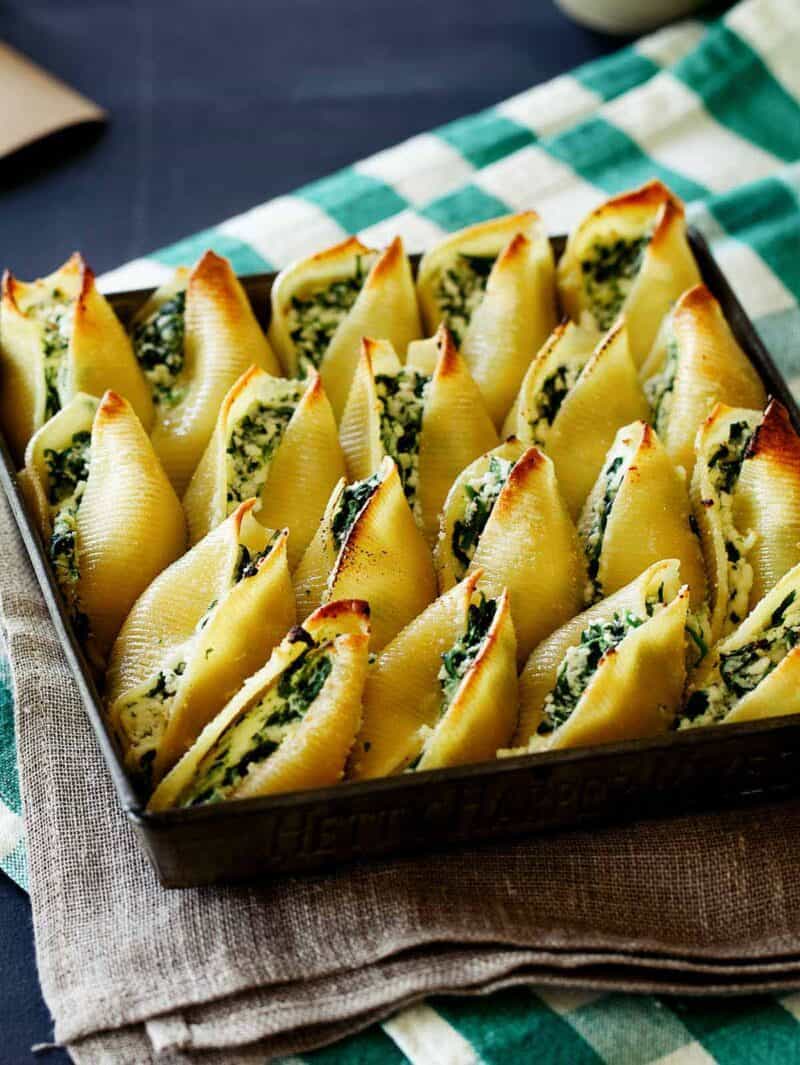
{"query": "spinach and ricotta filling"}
{"type": "Point", "coordinates": [724, 469]}
{"type": "Point", "coordinates": [253, 440]}
{"type": "Point", "coordinates": [460, 289]}
{"type": "Point", "coordinates": [609, 271]}
{"type": "Point", "coordinates": [313, 318]}
{"type": "Point", "coordinates": [480, 495]}
{"type": "Point", "coordinates": [143, 719]}
{"type": "Point", "coordinates": [255, 735]}
{"type": "Point", "coordinates": [351, 502]}
{"type": "Point", "coordinates": [458, 661]}
{"type": "Point", "coordinates": [579, 665]}
{"type": "Point", "coordinates": [401, 399]}
{"type": "Point", "coordinates": [549, 397]}
{"type": "Point", "coordinates": [55, 314]}
{"type": "Point", "coordinates": [68, 472]}
{"type": "Point", "coordinates": [742, 669]}
{"type": "Point", "coordinates": [158, 346]}
{"type": "Point", "coordinates": [660, 388]}
{"type": "Point", "coordinates": [248, 562]}
{"type": "Point", "coordinates": [593, 531]}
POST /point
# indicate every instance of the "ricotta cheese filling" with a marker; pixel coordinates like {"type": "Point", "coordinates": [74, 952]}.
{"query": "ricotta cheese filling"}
{"type": "Point", "coordinates": [253, 440]}
{"type": "Point", "coordinates": [458, 661]}
{"type": "Point", "coordinates": [593, 530]}
{"type": "Point", "coordinates": [258, 733]}
{"type": "Point", "coordinates": [313, 318]}
{"type": "Point", "coordinates": [158, 347]}
{"type": "Point", "coordinates": [460, 289]}
{"type": "Point", "coordinates": [741, 669]}
{"type": "Point", "coordinates": [479, 497]}
{"type": "Point", "coordinates": [660, 389]}
{"type": "Point", "coordinates": [546, 404]}
{"type": "Point", "coordinates": [401, 399]}
{"type": "Point", "coordinates": [724, 468]}
{"type": "Point", "coordinates": [609, 271]}
{"type": "Point", "coordinates": [351, 502]}
{"type": "Point", "coordinates": [579, 665]}
{"type": "Point", "coordinates": [67, 474]}
{"type": "Point", "coordinates": [55, 314]}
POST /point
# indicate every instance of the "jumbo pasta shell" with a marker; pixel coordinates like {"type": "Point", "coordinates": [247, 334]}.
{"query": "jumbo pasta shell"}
{"type": "Point", "coordinates": [221, 340]}
{"type": "Point", "coordinates": [636, 242]}
{"type": "Point", "coordinates": [275, 440]}
{"type": "Point", "coordinates": [512, 315]}
{"type": "Point", "coordinates": [649, 518]}
{"type": "Point", "coordinates": [314, 755]}
{"type": "Point", "coordinates": [90, 351]}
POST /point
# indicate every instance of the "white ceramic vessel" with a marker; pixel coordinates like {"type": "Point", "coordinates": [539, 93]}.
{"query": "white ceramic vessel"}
{"type": "Point", "coordinates": [627, 16]}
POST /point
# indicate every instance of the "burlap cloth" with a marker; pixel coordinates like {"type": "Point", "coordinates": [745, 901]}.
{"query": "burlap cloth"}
{"type": "Point", "coordinates": [131, 971]}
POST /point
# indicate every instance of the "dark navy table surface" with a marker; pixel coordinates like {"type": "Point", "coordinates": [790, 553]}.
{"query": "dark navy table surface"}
{"type": "Point", "coordinates": [216, 107]}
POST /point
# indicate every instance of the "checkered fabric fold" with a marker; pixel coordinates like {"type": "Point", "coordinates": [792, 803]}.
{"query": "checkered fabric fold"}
{"type": "Point", "coordinates": [710, 108]}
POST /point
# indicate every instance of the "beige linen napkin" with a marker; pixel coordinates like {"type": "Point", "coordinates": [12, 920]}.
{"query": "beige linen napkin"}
{"type": "Point", "coordinates": [35, 103]}
{"type": "Point", "coordinates": [130, 970]}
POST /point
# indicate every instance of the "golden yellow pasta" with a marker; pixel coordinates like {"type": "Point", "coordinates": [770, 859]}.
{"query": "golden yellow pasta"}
{"type": "Point", "coordinates": [323, 306]}
{"type": "Point", "coordinates": [746, 501]}
{"type": "Point", "coordinates": [290, 726]}
{"type": "Point", "coordinates": [615, 672]}
{"type": "Point", "coordinates": [194, 338]}
{"type": "Point", "coordinates": [109, 517]}
{"type": "Point", "coordinates": [755, 672]}
{"type": "Point", "coordinates": [431, 421]}
{"type": "Point", "coordinates": [493, 286]}
{"type": "Point", "coordinates": [276, 441]}
{"type": "Point", "coordinates": [58, 337]}
{"type": "Point", "coordinates": [444, 691]}
{"type": "Point", "coordinates": [629, 255]}
{"type": "Point", "coordinates": [505, 516]}
{"type": "Point", "coordinates": [572, 402]}
{"type": "Point", "coordinates": [204, 625]}
{"type": "Point", "coordinates": [368, 541]}
{"type": "Point", "coordinates": [696, 362]}
{"type": "Point", "coordinates": [637, 513]}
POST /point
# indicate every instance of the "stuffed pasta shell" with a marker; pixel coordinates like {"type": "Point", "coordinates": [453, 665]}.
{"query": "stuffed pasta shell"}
{"type": "Point", "coordinates": [493, 286]}
{"type": "Point", "coordinates": [746, 501]}
{"type": "Point", "coordinates": [58, 337]}
{"type": "Point", "coordinates": [637, 513]}
{"type": "Point", "coordinates": [431, 423]}
{"type": "Point", "coordinates": [444, 691]}
{"type": "Point", "coordinates": [696, 362]}
{"type": "Point", "coordinates": [194, 338]}
{"type": "Point", "coordinates": [505, 516]}
{"type": "Point", "coordinates": [204, 625]}
{"type": "Point", "coordinates": [628, 255]}
{"type": "Point", "coordinates": [615, 672]}
{"type": "Point", "coordinates": [755, 671]}
{"type": "Point", "coordinates": [368, 542]}
{"type": "Point", "coordinates": [109, 518]}
{"type": "Point", "coordinates": [323, 306]}
{"type": "Point", "coordinates": [290, 726]}
{"type": "Point", "coordinates": [276, 441]}
{"type": "Point", "coordinates": [573, 399]}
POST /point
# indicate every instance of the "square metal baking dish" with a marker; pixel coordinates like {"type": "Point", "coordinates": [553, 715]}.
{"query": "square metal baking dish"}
{"type": "Point", "coordinates": [308, 830]}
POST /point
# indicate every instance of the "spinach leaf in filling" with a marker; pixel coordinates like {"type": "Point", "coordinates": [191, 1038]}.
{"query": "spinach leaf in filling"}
{"type": "Point", "coordinates": [68, 471]}
{"type": "Point", "coordinates": [253, 441]}
{"type": "Point", "coordinates": [158, 346]}
{"type": "Point", "coordinates": [660, 388]}
{"type": "Point", "coordinates": [143, 719]}
{"type": "Point", "coordinates": [401, 402]}
{"type": "Point", "coordinates": [613, 476]}
{"type": "Point", "coordinates": [481, 494]}
{"type": "Point", "coordinates": [247, 564]}
{"type": "Point", "coordinates": [579, 666]}
{"type": "Point", "coordinates": [67, 468]}
{"type": "Point", "coordinates": [352, 501]}
{"type": "Point", "coordinates": [313, 319]}
{"type": "Point", "coordinates": [547, 402]}
{"type": "Point", "coordinates": [460, 290]}
{"type": "Point", "coordinates": [457, 662]}
{"type": "Point", "coordinates": [259, 732]}
{"type": "Point", "coordinates": [609, 271]}
{"type": "Point", "coordinates": [55, 314]}
{"type": "Point", "coordinates": [742, 669]}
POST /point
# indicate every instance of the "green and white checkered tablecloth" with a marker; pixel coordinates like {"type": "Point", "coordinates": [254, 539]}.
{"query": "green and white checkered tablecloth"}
{"type": "Point", "coordinates": [712, 108]}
